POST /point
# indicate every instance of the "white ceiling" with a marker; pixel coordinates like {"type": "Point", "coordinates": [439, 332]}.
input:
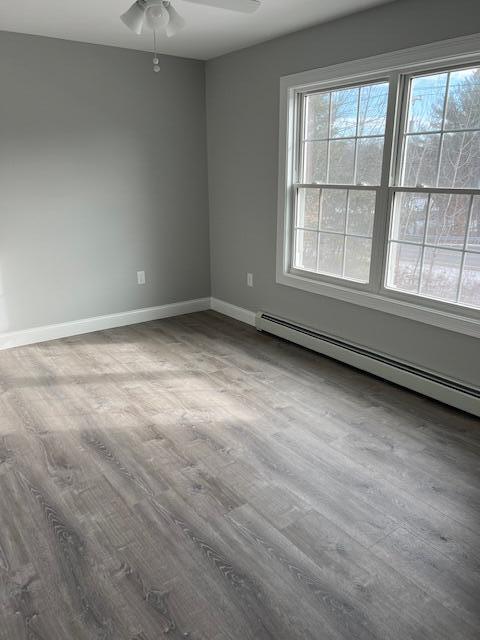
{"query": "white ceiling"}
{"type": "Point", "coordinates": [209, 33]}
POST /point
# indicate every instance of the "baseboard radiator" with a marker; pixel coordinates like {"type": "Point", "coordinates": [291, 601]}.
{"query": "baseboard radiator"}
{"type": "Point", "coordinates": [448, 391]}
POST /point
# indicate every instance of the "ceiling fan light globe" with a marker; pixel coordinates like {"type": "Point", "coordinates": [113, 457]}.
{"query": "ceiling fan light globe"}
{"type": "Point", "coordinates": [156, 16]}
{"type": "Point", "coordinates": [134, 18]}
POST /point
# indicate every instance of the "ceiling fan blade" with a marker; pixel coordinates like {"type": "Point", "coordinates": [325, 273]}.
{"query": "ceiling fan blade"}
{"type": "Point", "coordinates": [134, 17]}
{"type": "Point", "coordinates": [176, 22]}
{"type": "Point", "coordinates": [244, 6]}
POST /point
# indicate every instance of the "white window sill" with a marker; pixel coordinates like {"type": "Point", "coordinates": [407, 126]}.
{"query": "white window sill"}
{"type": "Point", "coordinates": [380, 302]}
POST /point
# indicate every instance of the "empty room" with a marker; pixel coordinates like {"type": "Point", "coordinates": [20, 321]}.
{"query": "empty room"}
{"type": "Point", "coordinates": [240, 320]}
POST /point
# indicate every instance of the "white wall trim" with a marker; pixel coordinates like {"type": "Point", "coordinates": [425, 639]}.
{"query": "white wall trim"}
{"type": "Point", "coordinates": [87, 325]}
{"type": "Point", "coordinates": [98, 323]}
{"type": "Point", "coordinates": [431, 53]}
{"type": "Point", "coordinates": [233, 311]}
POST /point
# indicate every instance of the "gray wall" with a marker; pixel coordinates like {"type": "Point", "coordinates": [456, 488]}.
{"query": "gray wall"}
{"type": "Point", "coordinates": [102, 173]}
{"type": "Point", "coordinates": [242, 125]}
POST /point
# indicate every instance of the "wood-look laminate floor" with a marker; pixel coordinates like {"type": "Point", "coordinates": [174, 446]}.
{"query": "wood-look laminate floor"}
{"type": "Point", "coordinates": [193, 478]}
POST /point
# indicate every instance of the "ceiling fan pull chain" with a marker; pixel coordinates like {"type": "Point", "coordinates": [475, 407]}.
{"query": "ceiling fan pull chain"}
{"type": "Point", "coordinates": [156, 61]}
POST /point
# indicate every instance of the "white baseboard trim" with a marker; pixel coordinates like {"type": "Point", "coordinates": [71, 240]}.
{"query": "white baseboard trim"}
{"type": "Point", "coordinates": [233, 311]}
{"type": "Point", "coordinates": [411, 380]}
{"type": "Point", "coordinates": [87, 325]}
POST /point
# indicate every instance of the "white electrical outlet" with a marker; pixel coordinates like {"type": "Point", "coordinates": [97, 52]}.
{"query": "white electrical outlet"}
{"type": "Point", "coordinates": [141, 277]}
{"type": "Point", "coordinates": [250, 279]}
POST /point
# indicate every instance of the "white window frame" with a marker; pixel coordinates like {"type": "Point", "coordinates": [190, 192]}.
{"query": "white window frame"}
{"type": "Point", "coordinates": [394, 67]}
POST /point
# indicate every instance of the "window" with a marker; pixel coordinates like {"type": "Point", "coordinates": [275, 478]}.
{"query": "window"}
{"type": "Point", "coordinates": [434, 242]}
{"type": "Point", "coordinates": [342, 144]}
{"type": "Point", "coordinates": [380, 185]}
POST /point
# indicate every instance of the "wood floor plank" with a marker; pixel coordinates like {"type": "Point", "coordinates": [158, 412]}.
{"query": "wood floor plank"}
{"type": "Point", "coordinates": [397, 605]}
{"type": "Point", "coordinates": [457, 587]}
{"type": "Point", "coordinates": [192, 478]}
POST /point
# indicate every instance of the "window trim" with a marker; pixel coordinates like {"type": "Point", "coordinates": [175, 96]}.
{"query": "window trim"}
{"type": "Point", "coordinates": [375, 295]}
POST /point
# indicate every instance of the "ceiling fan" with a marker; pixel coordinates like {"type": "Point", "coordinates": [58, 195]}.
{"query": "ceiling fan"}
{"type": "Point", "coordinates": [161, 14]}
